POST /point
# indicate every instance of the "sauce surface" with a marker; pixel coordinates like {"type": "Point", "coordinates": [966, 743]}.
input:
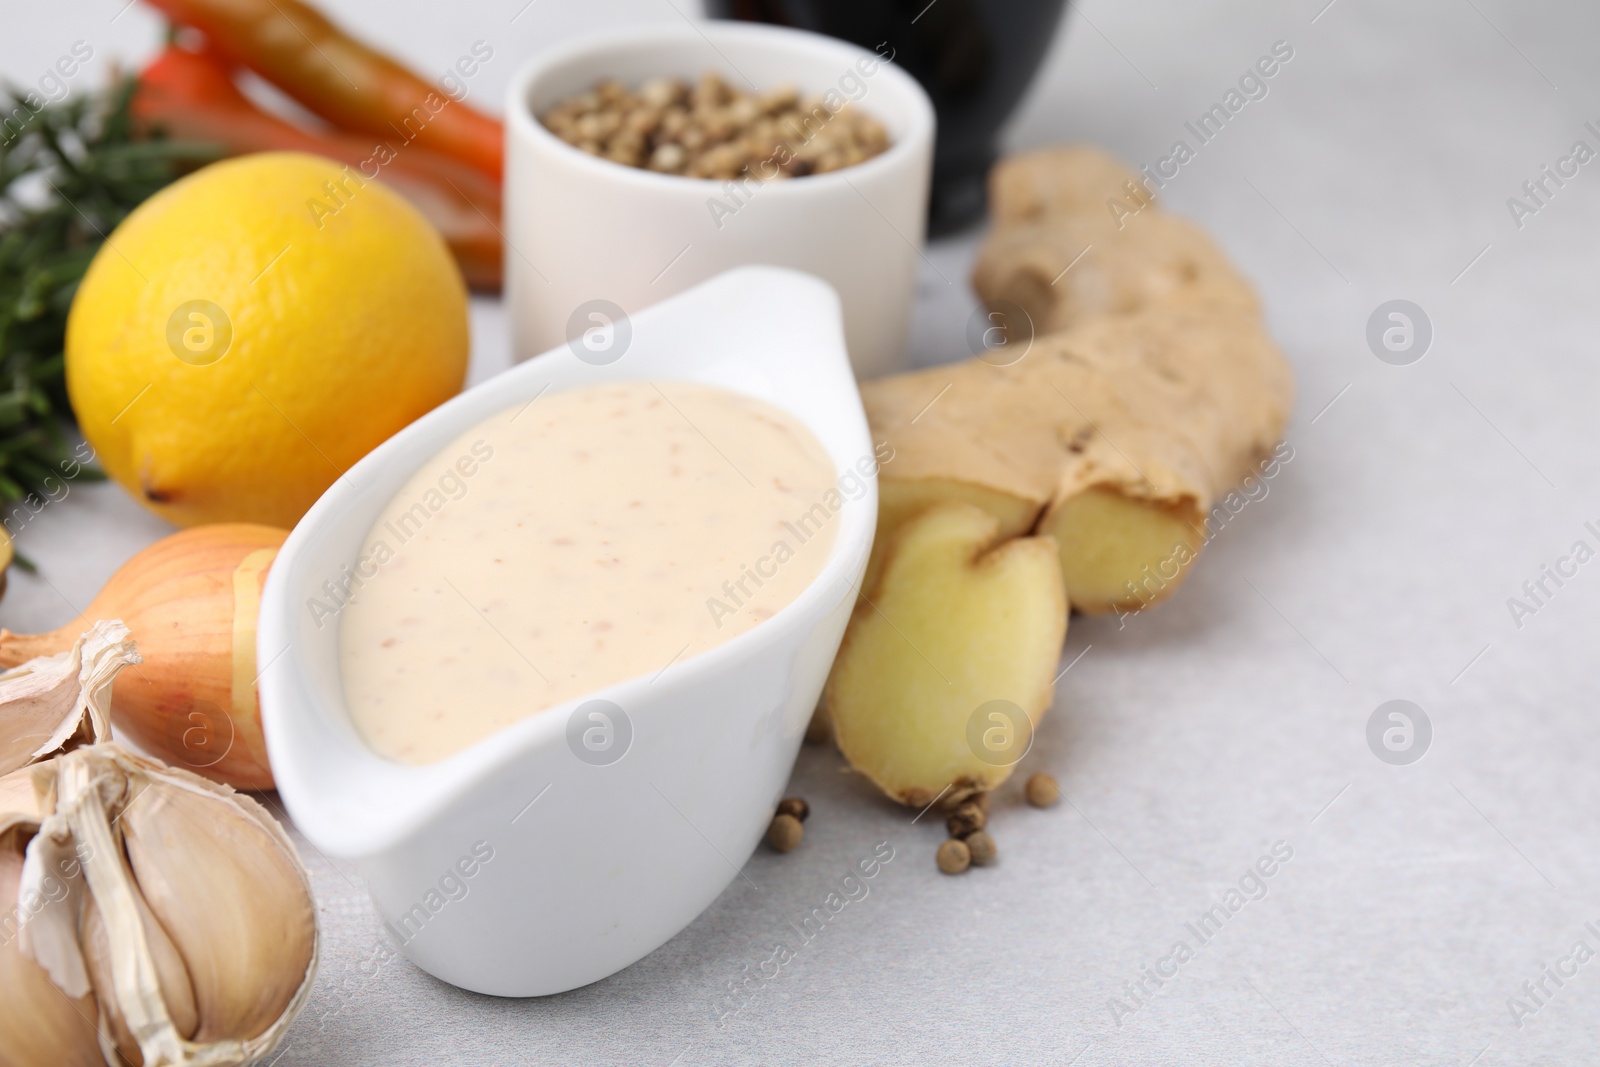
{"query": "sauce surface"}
{"type": "Point", "coordinates": [581, 539]}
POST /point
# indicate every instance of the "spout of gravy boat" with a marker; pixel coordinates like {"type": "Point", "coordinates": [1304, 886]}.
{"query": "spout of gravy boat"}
{"type": "Point", "coordinates": [529, 862]}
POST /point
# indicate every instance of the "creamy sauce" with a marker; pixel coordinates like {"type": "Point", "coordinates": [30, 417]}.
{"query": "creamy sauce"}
{"type": "Point", "coordinates": [582, 539]}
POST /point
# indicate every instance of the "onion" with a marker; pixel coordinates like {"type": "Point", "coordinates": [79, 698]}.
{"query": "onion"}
{"type": "Point", "coordinates": [190, 601]}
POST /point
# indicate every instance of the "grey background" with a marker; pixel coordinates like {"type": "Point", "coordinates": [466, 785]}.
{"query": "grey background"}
{"type": "Point", "coordinates": [1418, 898]}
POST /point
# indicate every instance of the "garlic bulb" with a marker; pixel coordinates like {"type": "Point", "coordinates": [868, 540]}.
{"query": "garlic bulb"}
{"type": "Point", "coordinates": [52, 703]}
{"type": "Point", "coordinates": [169, 909]}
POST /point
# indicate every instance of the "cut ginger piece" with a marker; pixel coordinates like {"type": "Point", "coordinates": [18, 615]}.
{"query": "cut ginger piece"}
{"type": "Point", "coordinates": [961, 631]}
{"type": "Point", "coordinates": [1118, 552]}
{"type": "Point", "coordinates": [1120, 433]}
{"type": "Point", "coordinates": [902, 499]}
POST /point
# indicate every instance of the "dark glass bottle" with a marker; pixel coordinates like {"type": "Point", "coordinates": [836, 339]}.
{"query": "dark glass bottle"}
{"type": "Point", "coordinates": [974, 57]}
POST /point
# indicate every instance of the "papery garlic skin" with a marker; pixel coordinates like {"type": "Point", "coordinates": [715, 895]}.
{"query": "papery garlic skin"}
{"type": "Point", "coordinates": [40, 1026]}
{"type": "Point", "coordinates": [53, 703]}
{"type": "Point", "coordinates": [53, 885]}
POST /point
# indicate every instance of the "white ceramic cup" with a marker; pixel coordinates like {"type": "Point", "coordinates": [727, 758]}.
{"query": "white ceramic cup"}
{"type": "Point", "coordinates": [580, 229]}
{"type": "Point", "coordinates": [520, 865]}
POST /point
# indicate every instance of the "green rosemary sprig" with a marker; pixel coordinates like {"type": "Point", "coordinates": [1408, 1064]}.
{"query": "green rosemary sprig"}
{"type": "Point", "coordinates": [69, 173]}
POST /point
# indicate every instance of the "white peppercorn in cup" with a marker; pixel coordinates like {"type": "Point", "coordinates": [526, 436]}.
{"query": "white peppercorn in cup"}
{"type": "Point", "coordinates": [582, 227]}
{"type": "Point", "coordinates": [715, 130]}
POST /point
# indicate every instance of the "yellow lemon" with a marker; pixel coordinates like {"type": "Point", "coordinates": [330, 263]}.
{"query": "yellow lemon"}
{"type": "Point", "coordinates": [252, 330]}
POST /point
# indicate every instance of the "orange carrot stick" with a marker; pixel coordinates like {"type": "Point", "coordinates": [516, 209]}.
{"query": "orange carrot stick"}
{"type": "Point", "coordinates": [353, 86]}
{"type": "Point", "coordinates": [191, 96]}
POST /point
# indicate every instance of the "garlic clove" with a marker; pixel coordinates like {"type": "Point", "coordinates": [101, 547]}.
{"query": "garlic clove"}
{"type": "Point", "coordinates": [225, 882]}
{"type": "Point", "coordinates": [40, 1026]}
{"type": "Point", "coordinates": [176, 989]}
{"type": "Point", "coordinates": [53, 703]}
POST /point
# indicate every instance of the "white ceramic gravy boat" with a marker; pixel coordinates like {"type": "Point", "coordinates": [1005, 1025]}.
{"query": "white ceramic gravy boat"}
{"type": "Point", "coordinates": [517, 867]}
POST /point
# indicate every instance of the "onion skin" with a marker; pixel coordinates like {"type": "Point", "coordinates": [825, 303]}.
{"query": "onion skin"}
{"type": "Point", "coordinates": [192, 702]}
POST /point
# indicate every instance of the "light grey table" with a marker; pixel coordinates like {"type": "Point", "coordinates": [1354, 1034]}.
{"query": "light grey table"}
{"type": "Point", "coordinates": [1419, 899]}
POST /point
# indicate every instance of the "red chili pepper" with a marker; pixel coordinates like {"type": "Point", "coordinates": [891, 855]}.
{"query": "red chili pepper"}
{"type": "Point", "coordinates": [353, 86]}
{"type": "Point", "coordinates": [192, 97]}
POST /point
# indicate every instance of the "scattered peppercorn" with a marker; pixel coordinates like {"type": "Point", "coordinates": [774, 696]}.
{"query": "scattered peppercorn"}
{"type": "Point", "coordinates": [980, 799]}
{"type": "Point", "coordinates": [795, 806]}
{"type": "Point", "coordinates": [713, 130]}
{"type": "Point", "coordinates": [785, 833]}
{"type": "Point", "coordinates": [982, 848]}
{"type": "Point", "coordinates": [1042, 790]}
{"type": "Point", "coordinates": [966, 819]}
{"type": "Point", "coordinates": [953, 856]}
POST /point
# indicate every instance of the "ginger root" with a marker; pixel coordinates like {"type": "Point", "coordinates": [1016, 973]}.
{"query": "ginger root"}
{"type": "Point", "coordinates": [1068, 180]}
{"type": "Point", "coordinates": [1065, 271]}
{"type": "Point", "coordinates": [1087, 468]}
{"type": "Point", "coordinates": [1150, 390]}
